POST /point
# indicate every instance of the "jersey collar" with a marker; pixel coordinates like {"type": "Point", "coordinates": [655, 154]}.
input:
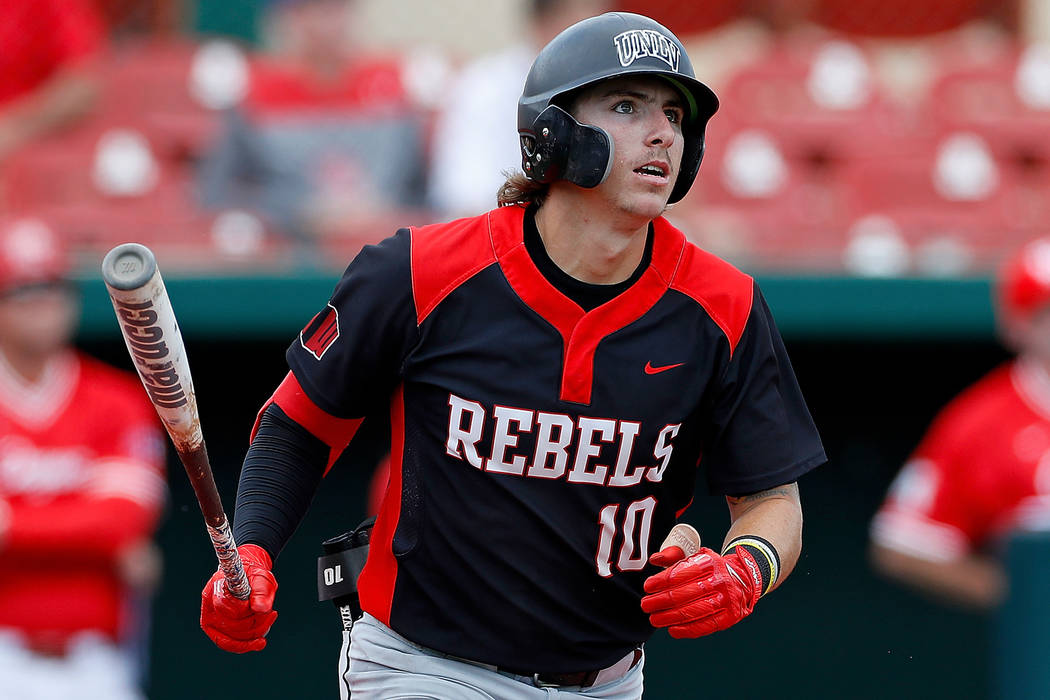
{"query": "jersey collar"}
{"type": "Point", "coordinates": [39, 403]}
{"type": "Point", "coordinates": [581, 331]}
{"type": "Point", "coordinates": [1032, 383]}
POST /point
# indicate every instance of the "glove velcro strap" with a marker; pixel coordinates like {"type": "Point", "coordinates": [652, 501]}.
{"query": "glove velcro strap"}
{"type": "Point", "coordinates": [765, 555]}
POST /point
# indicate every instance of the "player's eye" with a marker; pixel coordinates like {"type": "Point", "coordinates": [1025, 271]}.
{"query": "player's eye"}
{"type": "Point", "coordinates": [624, 107]}
{"type": "Point", "coordinates": [674, 115]}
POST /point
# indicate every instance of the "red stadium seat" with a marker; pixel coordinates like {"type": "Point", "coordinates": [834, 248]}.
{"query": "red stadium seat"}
{"type": "Point", "coordinates": [685, 18]}
{"type": "Point", "coordinates": [153, 81]}
{"type": "Point", "coordinates": [894, 18]}
{"type": "Point", "coordinates": [821, 100]}
{"type": "Point", "coordinates": [185, 239]}
{"type": "Point", "coordinates": [781, 208]}
{"type": "Point", "coordinates": [987, 211]}
{"type": "Point", "coordinates": [1006, 101]}
{"type": "Point", "coordinates": [813, 170]}
{"type": "Point", "coordinates": [103, 159]}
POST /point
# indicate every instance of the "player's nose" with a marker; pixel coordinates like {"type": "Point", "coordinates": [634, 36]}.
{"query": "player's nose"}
{"type": "Point", "coordinates": [661, 131]}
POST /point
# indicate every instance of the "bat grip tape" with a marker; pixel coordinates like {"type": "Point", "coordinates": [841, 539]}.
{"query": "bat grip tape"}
{"type": "Point", "coordinates": [229, 560]}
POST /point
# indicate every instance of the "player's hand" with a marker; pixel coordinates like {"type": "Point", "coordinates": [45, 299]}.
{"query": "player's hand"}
{"type": "Point", "coordinates": [241, 625]}
{"type": "Point", "coordinates": [703, 593]}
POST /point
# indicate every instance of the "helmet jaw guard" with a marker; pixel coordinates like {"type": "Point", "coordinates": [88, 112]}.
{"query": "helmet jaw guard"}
{"type": "Point", "coordinates": [612, 45]}
{"type": "Point", "coordinates": [559, 147]}
{"type": "Point", "coordinates": [692, 154]}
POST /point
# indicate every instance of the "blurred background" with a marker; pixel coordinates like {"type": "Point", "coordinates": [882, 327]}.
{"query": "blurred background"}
{"type": "Point", "coordinates": [872, 164]}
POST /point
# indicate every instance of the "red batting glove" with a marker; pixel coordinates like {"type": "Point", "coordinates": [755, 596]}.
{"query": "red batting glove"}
{"type": "Point", "coordinates": [241, 625]}
{"type": "Point", "coordinates": [703, 593]}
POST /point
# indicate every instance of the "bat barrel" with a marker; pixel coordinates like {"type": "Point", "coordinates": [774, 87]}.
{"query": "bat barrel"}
{"type": "Point", "coordinates": [154, 342]}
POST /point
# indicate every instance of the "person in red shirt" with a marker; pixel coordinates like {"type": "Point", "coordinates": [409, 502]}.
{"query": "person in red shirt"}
{"type": "Point", "coordinates": [328, 139]}
{"type": "Point", "coordinates": [48, 77]}
{"type": "Point", "coordinates": [82, 487]}
{"type": "Point", "coordinates": [983, 468]}
{"type": "Point", "coordinates": [315, 62]}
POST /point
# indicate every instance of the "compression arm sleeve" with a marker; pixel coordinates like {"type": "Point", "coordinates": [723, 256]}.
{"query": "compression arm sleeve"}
{"type": "Point", "coordinates": [282, 471]}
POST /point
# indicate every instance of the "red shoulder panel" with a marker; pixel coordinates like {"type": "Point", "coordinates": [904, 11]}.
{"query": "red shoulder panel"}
{"type": "Point", "coordinates": [379, 577]}
{"type": "Point", "coordinates": [445, 256]}
{"type": "Point", "coordinates": [334, 432]}
{"type": "Point", "coordinates": [725, 292]}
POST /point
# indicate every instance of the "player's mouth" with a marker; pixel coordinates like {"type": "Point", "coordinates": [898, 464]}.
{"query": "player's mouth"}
{"type": "Point", "coordinates": [655, 171]}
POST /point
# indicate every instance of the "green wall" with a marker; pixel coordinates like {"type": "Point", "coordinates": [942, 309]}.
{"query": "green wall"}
{"type": "Point", "coordinates": [233, 18]}
{"type": "Point", "coordinates": [834, 629]}
{"type": "Point", "coordinates": [266, 306]}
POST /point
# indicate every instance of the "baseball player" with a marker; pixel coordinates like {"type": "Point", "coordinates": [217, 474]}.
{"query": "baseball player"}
{"type": "Point", "coordinates": [556, 371]}
{"type": "Point", "coordinates": [983, 468]}
{"type": "Point", "coordinates": [81, 489]}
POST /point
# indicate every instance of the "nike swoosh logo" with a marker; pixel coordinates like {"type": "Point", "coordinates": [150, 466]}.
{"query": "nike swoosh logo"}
{"type": "Point", "coordinates": [649, 369]}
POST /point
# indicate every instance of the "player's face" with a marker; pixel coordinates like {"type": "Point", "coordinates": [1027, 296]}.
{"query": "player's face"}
{"type": "Point", "coordinates": [37, 320]}
{"type": "Point", "coordinates": [643, 115]}
{"type": "Point", "coordinates": [322, 26]}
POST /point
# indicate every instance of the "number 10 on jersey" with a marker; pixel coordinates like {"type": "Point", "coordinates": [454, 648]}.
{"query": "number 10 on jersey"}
{"type": "Point", "coordinates": [635, 524]}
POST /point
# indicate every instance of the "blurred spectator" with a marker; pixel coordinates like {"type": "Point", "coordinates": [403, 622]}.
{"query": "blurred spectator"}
{"type": "Point", "coordinates": [328, 137]}
{"type": "Point", "coordinates": [983, 469]}
{"type": "Point", "coordinates": [48, 75]}
{"type": "Point", "coordinates": [474, 140]}
{"type": "Point", "coordinates": [81, 489]}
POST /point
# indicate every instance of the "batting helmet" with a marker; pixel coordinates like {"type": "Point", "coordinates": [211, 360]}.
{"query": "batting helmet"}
{"type": "Point", "coordinates": [30, 253]}
{"type": "Point", "coordinates": [555, 146]}
{"type": "Point", "coordinates": [1024, 281]}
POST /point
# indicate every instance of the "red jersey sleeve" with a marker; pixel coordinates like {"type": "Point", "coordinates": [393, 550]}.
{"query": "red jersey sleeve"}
{"type": "Point", "coordinates": [41, 38]}
{"type": "Point", "coordinates": [937, 507]}
{"type": "Point", "coordinates": [76, 28]}
{"type": "Point", "coordinates": [123, 492]}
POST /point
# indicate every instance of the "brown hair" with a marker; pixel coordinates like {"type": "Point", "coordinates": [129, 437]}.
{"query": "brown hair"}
{"type": "Point", "coordinates": [518, 189]}
{"type": "Point", "coordinates": [521, 191]}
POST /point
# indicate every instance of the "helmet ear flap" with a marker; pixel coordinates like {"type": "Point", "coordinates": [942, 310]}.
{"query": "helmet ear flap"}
{"type": "Point", "coordinates": [691, 157]}
{"type": "Point", "coordinates": [559, 147]}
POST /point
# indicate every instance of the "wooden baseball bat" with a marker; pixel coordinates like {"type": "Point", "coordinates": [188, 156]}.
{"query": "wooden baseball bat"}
{"type": "Point", "coordinates": [147, 322]}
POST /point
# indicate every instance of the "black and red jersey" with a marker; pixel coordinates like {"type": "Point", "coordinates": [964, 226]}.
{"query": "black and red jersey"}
{"type": "Point", "coordinates": [540, 452]}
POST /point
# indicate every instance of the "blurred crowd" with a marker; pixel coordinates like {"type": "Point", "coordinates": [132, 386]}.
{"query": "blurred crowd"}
{"type": "Point", "coordinates": [852, 136]}
{"type": "Point", "coordinates": [873, 138]}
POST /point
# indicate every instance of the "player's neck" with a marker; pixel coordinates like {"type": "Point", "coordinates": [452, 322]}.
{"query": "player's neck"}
{"type": "Point", "coordinates": [592, 247]}
{"type": "Point", "coordinates": [28, 366]}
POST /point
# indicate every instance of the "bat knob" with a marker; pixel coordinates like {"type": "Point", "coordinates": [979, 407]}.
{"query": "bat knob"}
{"type": "Point", "coordinates": [685, 536]}
{"type": "Point", "coordinates": [128, 266]}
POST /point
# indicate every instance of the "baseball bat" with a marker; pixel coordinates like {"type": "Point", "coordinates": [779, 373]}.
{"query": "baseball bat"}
{"type": "Point", "coordinates": [684, 536]}
{"type": "Point", "coordinates": [147, 322]}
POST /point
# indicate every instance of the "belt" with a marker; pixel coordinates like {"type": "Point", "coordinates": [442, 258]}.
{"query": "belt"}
{"type": "Point", "coordinates": [583, 679]}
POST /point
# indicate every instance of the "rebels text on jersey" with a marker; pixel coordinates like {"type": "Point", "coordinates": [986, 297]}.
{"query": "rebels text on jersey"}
{"type": "Point", "coordinates": [541, 452]}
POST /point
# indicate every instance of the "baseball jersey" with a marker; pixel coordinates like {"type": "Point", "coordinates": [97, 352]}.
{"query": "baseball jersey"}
{"type": "Point", "coordinates": [372, 83]}
{"type": "Point", "coordinates": [540, 452]}
{"type": "Point", "coordinates": [982, 470]}
{"type": "Point", "coordinates": [81, 474]}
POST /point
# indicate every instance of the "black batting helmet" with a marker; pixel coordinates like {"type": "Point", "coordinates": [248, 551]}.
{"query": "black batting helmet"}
{"type": "Point", "coordinates": [555, 146]}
